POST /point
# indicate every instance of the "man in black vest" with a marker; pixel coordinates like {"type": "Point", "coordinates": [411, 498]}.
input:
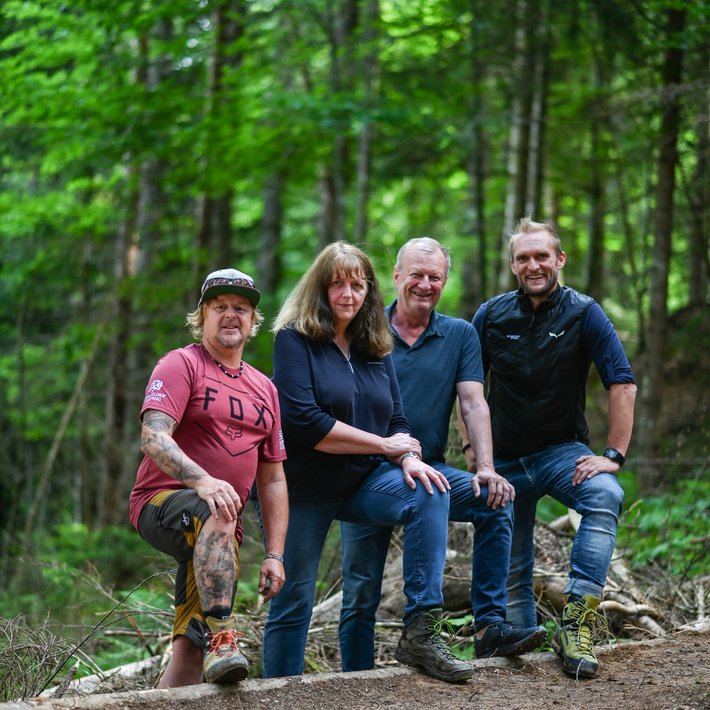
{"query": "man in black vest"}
{"type": "Point", "coordinates": [538, 345]}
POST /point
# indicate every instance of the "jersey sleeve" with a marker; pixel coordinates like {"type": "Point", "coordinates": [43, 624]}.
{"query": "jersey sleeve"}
{"type": "Point", "coordinates": [169, 387]}
{"type": "Point", "coordinates": [273, 449]}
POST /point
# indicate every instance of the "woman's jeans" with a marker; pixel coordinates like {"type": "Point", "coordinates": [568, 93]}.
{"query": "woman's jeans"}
{"type": "Point", "coordinates": [365, 553]}
{"type": "Point", "coordinates": [383, 500]}
{"type": "Point", "coordinates": [598, 500]}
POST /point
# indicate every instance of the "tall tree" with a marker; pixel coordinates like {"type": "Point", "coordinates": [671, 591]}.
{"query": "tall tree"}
{"type": "Point", "coordinates": [698, 192]}
{"type": "Point", "coordinates": [524, 72]}
{"type": "Point", "coordinates": [475, 270]}
{"type": "Point", "coordinates": [214, 213]}
{"type": "Point", "coordinates": [594, 281]}
{"type": "Point", "coordinates": [656, 340]}
{"type": "Point", "coordinates": [370, 36]}
{"type": "Point", "coordinates": [339, 20]}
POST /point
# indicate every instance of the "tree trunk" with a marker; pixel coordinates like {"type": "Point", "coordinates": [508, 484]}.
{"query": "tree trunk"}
{"type": "Point", "coordinates": [271, 223]}
{"type": "Point", "coordinates": [475, 277]}
{"type": "Point", "coordinates": [637, 286]}
{"type": "Point", "coordinates": [340, 21]}
{"type": "Point", "coordinates": [367, 133]}
{"type": "Point", "coordinates": [698, 197]}
{"type": "Point", "coordinates": [655, 355]}
{"type": "Point", "coordinates": [597, 209]}
{"type": "Point", "coordinates": [519, 138]}
{"type": "Point", "coordinates": [214, 205]}
{"type": "Point", "coordinates": [40, 496]}
{"type": "Point", "coordinates": [538, 125]}
{"type": "Point", "coordinates": [110, 492]}
{"type": "Point", "coordinates": [16, 483]}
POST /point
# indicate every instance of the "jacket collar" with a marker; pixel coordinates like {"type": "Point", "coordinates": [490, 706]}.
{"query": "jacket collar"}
{"type": "Point", "coordinates": [550, 302]}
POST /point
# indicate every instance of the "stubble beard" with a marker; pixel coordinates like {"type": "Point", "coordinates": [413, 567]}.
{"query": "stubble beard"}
{"type": "Point", "coordinates": [550, 286]}
{"type": "Point", "coordinates": [231, 342]}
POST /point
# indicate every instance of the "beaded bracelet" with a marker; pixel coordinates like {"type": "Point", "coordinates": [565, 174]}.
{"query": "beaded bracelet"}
{"type": "Point", "coordinates": [274, 556]}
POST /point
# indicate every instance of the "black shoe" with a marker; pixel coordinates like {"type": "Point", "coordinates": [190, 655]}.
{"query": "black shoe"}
{"type": "Point", "coordinates": [504, 639]}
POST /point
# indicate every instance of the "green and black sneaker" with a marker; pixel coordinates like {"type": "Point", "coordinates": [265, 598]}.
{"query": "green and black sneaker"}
{"type": "Point", "coordinates": [573, 642]}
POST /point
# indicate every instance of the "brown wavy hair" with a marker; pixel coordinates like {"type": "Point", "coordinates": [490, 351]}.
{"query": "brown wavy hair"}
{"type": "Point", "coordinates": [308, 311]}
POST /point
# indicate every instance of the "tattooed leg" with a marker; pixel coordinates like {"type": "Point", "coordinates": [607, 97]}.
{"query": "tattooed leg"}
{"type": "Point", "coordinates": [214, 564]}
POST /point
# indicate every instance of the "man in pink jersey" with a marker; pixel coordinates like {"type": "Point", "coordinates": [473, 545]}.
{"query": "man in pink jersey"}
{"type": "Point", "coordinates": [211, 427]}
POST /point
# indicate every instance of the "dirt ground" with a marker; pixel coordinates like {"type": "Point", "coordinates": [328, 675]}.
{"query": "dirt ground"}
{"type": "Point", "coordinates": [668, 674]}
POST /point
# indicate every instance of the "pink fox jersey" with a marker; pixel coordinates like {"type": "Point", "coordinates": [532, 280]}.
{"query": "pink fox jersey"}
{"type": "Point", "coordinates": [226, 425]}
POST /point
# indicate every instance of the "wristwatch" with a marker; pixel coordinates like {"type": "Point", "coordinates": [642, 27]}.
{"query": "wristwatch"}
{"type": "Point", "coordinates": [614, 455]}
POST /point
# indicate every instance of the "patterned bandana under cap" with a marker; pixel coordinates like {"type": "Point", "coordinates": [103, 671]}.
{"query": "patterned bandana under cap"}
{"type": "Point", "coordinates": [229, 281]}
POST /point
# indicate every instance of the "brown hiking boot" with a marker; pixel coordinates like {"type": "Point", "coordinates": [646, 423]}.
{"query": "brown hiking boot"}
{"type": "Point", "coordinates": [421, 645]}
{"type": "Point", "coordinates": [223, 662]}
{"type": "Point", "coordinates": [573, 642]}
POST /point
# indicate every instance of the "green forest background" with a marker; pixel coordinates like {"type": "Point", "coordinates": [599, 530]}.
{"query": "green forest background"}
{"type": "Point", "coordinates": [145, 143]}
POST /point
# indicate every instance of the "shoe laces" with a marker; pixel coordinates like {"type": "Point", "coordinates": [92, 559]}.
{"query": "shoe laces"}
{"type": "Point", "coordinates": [582, 623]}
{"type": "Point", "coordinates": [436, 626]}
{"type": "Point", "coordinates": [222, 642]}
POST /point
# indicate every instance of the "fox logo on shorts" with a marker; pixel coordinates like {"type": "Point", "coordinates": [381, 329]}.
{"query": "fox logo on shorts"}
{"type": "Point", "coordinates": [186, 522]}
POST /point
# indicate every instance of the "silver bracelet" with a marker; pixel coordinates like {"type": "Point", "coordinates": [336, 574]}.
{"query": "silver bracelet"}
{"type": "Point", "coordinates": [408, 455]}
{"type": "Point", "coordinates": [274, 556]}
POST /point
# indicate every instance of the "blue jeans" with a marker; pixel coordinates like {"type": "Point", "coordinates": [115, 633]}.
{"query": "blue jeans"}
{"type": "Point", "coordinates": [365, 552]}
{"type": "Point", "coordinates": [383, 499]}
{"type": "Point", "coordinates": [598, 500]}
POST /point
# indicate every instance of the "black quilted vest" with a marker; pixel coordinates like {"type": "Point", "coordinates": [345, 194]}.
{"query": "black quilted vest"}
{"type": "Point", "coordinates": [538, 371]}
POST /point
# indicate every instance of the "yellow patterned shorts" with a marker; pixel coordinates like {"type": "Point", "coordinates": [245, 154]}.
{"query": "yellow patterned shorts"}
{"type": "Point", "coordinates": [171, 522]}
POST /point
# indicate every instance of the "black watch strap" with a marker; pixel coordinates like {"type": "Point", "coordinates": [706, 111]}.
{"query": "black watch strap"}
{"type": "Point", "coordinates": [614, 455]}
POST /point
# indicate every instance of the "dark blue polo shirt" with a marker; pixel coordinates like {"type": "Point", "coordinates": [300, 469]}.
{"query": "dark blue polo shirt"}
{"type": "Point", "coordinates": [446, 353]}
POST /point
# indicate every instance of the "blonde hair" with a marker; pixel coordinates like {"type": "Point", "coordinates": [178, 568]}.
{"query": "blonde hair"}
{"type": "Point", "coordinates": [307, 309]}
{"type": "Point", "coordinates": [527, 226]}
{"type": "Point", "coordinates": [195, 320]}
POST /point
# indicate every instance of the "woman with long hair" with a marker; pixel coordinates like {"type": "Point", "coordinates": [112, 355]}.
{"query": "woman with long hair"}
{"type": "Point", "coordinates": [351, 457]}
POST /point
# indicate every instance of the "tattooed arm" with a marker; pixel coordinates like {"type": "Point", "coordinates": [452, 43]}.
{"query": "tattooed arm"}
{"type": "Point", "coordinates": [158, 444]}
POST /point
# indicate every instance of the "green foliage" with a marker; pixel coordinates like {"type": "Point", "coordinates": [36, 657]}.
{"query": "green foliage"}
{"type": "Point", "coordinates": [114, 134]}
{"type": "Point", "coordinates": [670, 529]}
{"type": "Point", "coordinates": [71, 566]}
{"type": "Point", "coordinates": [114, 553]}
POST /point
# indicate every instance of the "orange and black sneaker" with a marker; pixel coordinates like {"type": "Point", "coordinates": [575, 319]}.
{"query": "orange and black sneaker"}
{"type": "Point", "coordinates": [224, 663]}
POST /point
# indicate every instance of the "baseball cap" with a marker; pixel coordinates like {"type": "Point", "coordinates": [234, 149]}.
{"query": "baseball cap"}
{"type": "Point", "coordinates": [229, 281]}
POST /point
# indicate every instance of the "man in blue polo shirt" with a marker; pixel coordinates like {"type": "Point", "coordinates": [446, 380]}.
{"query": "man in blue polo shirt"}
{"type": "Point", "coordinates": [438, 358]}
{"type": "Point", "coordinates": [538, 344]}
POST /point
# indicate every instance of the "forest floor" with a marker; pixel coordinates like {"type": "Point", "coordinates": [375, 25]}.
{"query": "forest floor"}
{"type": "Point", "coordinates": [666, 674]}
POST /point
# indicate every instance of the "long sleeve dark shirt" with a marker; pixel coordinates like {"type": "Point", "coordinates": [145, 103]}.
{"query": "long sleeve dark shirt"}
{"type": "Point", "coordinates": [318, 386]}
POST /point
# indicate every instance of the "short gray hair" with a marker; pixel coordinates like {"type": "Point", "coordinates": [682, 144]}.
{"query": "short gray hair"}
{"type": "Point", "coordinates": [426, 244]}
